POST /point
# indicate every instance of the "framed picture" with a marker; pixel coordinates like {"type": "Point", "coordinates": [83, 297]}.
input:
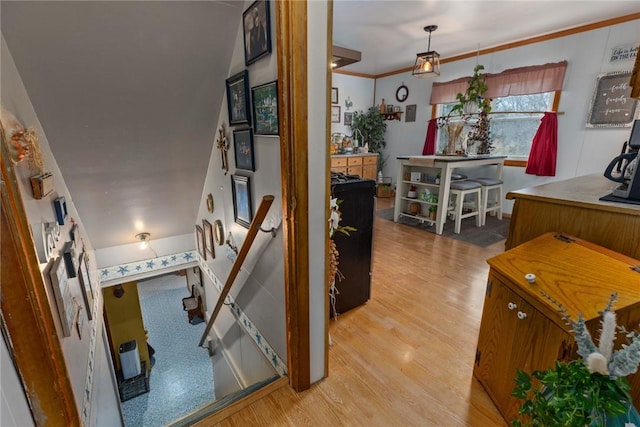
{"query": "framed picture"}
{"type": "Point", "coordinates": [334, 95]}
{"type": "Point", "coordinates": [265, 108]}
{"type": "Point", "coordinates": [612, 105]}
{"type": "Point", "coordinates": [348, 117]}
{"type": "Point", "coordinates": [85, 285]}
{"type": "Point", "coordinates": [208, 238]}
{"type": "Point", "coordinates": [257, 31]}
{"type": "Point", "coordinates": [242, 212]}
{"type": "Point", "coordinates": [335, 114]}
{"type": "Point", "coordinates": [238, 98]}
{"type": "Point", "coordinates": [411, 113]}
{"type": "Point", "coordinates": [200, 242]}
{"type": "Point", "coordinates": [243, 149]}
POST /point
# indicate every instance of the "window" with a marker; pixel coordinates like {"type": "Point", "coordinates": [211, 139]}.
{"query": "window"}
{"type": "Point", "coordinates": [513, 123]}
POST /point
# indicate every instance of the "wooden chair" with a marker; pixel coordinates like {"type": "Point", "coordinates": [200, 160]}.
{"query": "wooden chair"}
{"type": "Point", "coordinates": [193, 305]}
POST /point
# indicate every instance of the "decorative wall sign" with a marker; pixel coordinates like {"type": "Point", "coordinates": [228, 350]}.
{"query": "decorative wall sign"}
{"type": "Point", "coordinates": [612, 105]}
{"type": "Point", "coordinates": [62, 293]}
{"type": "Point", "coordinates": [60, 205]}
{"type": "Point", "coordinates": [624, 53]}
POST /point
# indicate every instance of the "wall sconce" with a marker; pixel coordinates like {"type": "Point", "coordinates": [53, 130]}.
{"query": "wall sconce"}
{"type": "Point", "coordinates": [144, 240]}
{"type": "Point", "coordinates": [427, 63]}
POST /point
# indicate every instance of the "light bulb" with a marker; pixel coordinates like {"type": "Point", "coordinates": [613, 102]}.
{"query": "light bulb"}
{"type": "Point", "coordinates": [427, 67]}
{"type": "Point", "coordinates": [143, 245]}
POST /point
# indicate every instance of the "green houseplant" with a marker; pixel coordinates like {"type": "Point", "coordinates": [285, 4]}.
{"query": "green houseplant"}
{"type": "Point", "coordinates": [591, 391]}
{"type": "Point", "coordinates": [372, 126]}
{"type": "Point", "coordinates": [469, 100]}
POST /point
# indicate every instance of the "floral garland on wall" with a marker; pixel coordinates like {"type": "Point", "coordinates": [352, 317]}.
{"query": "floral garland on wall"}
{"type": "Point", "coordinates": [334, 226]}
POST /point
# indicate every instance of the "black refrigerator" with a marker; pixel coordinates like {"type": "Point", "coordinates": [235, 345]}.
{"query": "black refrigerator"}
{"type": "Point", "coordinates": [354, 262]}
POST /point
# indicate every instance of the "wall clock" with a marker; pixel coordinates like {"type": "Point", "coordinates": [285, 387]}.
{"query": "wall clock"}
{"type": "Point", "coordinates": [218, 231]}
{"type": "Point", "coordinates": [402, 93]}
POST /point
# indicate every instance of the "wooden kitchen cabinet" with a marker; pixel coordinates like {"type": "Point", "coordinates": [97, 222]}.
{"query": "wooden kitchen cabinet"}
{"type": "Point", "coordinates": [522, 329]}
{"type": "Point", "coordinates": [364, 165]}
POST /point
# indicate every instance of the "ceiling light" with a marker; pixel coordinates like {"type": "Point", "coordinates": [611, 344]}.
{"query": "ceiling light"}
{"type": "Point", "coordinates": [427, 63]}
{"type": "Point", "coordinates": [144, 239]}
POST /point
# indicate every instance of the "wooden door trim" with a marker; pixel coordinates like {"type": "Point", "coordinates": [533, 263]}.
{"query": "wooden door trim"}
{"type": "Point", "coordinates": [291, 28]}
{"type": "Point", "coordinates": [27, 320]}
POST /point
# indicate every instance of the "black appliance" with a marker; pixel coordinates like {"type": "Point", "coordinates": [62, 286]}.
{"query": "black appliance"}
{"type": "Point", "coordinates": [624, 170]}
{"type": "Point", "coordinates": [357, 198]}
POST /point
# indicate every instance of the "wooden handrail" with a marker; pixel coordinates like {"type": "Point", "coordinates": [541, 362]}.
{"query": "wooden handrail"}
{"type": "Point", "coordinates": [254, 227]}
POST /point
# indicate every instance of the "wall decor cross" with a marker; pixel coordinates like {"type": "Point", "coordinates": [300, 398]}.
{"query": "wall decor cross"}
{"type": "Point", "coordinates": [223, 145]}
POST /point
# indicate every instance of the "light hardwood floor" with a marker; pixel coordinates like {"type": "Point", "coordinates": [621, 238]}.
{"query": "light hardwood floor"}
{"type": "Point", "coordinates": [405, 358]}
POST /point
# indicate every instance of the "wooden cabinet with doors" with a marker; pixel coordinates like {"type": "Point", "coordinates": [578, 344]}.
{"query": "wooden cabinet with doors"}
{"type": "Point", "coordinates": [521, 327]}
{"type": "Point", "coordinates": [363, 165]}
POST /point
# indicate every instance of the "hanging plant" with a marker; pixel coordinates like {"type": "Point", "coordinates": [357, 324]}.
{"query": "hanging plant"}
{"type": "Point", "coordinates": [469, 101]}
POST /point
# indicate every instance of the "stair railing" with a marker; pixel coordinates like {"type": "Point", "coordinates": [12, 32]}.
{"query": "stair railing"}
{"type": "Point", "coordinates": [254, 227]}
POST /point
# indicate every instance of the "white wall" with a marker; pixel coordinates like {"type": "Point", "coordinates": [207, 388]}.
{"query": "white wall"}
{"type": "Point", "coordinates": [317, 20]}
{"type": "Point", "coordinates": [259, 287]}
{"type": "Point", "coordinates": [358, 90]}
{"type": "Point", "coordinates": [76, 350]}
{"type": "Point", "coordinates": [581, 150]}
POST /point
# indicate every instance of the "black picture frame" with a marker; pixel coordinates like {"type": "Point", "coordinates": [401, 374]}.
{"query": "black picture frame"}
{"type": "Point", "coordinates": [257, 39]}
{"type": "Point", "coordinates": [242, 211]}
{"type": "Point", "coordinates": [243, 149]}
{"type": "Point", "coordinates": [348, 118]}
{"type": "Point", "coordinates": [238, 98]}
{"type": "Point", "coordinates": [85, 285]}
{"type": "Point", "coordinates": [264, 99]}
{"type": "Point", "coordinates": [334, 95]}
{"type": "Point", "coordinates": [200, 242]}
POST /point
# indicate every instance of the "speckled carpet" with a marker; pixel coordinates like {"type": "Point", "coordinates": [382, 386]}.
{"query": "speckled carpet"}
{"type": "Point", "coordinates": [181, 380]}
{"type": "Point", "coordinates": [494, 231]}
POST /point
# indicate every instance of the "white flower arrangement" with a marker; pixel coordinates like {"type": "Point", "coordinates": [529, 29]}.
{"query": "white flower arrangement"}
{"type": "Point", "coordinates": [335, 217]}
{"type": "Point", "coordinates": [602, 358]}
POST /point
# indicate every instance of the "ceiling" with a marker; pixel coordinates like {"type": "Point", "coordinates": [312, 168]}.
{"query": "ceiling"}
{"type": "Point", "coordinates": [390, 33]}
{"type": "Point", "coordinates": [129, 92]}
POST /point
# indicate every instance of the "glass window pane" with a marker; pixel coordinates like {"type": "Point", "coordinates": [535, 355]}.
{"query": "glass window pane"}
{"type": "Point", "coordinates": [511, 133]}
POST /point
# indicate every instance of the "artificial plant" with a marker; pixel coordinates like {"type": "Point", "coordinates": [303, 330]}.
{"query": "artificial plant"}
{"type": "Point", "coordinates": [592, 391]}
{"type": "Point", "coordinates": [372, 126]}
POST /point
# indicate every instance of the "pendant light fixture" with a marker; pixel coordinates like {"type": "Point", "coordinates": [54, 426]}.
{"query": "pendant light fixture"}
{"type": "Point", "coordinates": [427, 63]}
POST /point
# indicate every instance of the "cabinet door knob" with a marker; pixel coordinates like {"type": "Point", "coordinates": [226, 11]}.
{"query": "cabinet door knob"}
{"type": "Point", "coordinates": [512, 306]}
{"type": "Point", "coordinates": [522, 315]}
